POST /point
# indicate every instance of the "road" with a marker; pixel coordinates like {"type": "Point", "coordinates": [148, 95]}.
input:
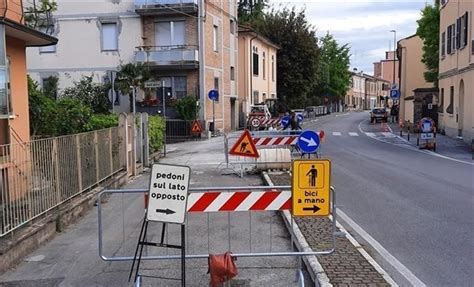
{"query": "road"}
{"type": "Point", "coordinates": [419, 207]}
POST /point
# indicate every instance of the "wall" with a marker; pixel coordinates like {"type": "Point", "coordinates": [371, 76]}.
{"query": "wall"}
{"type": "Point", "coordinates": [15, 50]}
{"type": "Point", "coordinates": [412, 74]}
{"type": "Point", "coordinates": [457, 70]}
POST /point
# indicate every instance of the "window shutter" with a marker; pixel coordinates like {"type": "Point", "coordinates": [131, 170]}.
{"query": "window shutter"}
{"type": "Point", "coordinates": [449, 44]}
{"type": "Point", "coordinates": [443, 44]}
{"type": "Point", "coordinates": [458, 33]}
{"type": "Point", "coordinates": [465, 30]}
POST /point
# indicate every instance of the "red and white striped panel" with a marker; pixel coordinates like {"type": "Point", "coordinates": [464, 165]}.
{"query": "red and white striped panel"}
{"type": "Point", "coordinates": [272, 141]}
{"type": "Point", "coordinates": [271, 122]}
{"type": "Point", "coordinates": [239, 201]}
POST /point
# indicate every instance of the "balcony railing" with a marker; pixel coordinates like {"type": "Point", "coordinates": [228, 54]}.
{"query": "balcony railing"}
{"type": "Point", "coordinates": [169, 56]}
{"type": "Point", "coordinates": [155, 7]}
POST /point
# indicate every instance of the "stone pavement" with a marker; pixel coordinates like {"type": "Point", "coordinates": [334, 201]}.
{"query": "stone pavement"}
{"type": "Point", "coordinates": [346, 266]}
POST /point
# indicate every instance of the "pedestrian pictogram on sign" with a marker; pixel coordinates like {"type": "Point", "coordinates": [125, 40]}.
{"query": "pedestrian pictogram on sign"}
{"type": "Point", "coordinates": [196, 127]}
{"type": "Point", "coordinates": [311, 187]}
{"type": "Point", "coordinates": [244, 146]}
{"type": "Point", "coordinates": [168, 193]}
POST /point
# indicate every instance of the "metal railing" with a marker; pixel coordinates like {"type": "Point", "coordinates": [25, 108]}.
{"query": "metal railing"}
{"type": "Point", "coordinates": [39, 175]}
{"type": "Point", "coordinates": [145, 3]}
{"type": "Point", "coordinates": [179, 130]}
{"type": "Point", "coordinates": [168, 55]}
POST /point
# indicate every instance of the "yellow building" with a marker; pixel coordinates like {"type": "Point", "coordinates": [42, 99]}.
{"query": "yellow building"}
{"type": "Point", "coordinates": [15, 36]}
{"type": "Point", "coordinates": [257, 69]}
{"type": "Point", "coordinates": [416, 95]}
{"type": "Point", "coordinates": [456, 69]}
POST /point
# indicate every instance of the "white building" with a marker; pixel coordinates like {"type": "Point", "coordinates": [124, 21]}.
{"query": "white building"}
{"type": "Point", "coordinates": [90, 43]}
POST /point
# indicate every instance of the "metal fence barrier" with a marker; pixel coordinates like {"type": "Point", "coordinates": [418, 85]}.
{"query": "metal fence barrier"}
{"type": "Point", "coordinates": [180, 130]}
{"type": "Point", "coordinates": [39, 175]}
{"type": "Point", "coordinates": [276, 198]}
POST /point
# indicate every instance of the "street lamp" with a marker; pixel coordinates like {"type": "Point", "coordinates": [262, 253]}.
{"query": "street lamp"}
{"type": "Point", "coordinates": [394, 52]}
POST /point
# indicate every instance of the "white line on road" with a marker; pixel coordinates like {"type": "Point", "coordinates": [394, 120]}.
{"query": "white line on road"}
{"type": "Point", "coordinates": [389, 135]}
{"type": "Point", "coordinates": [337, 134]}
{"type": "Point", "coordinates": [354, 134]}
{"type": "Point", "coordinates": [372, 135]}
{"type": "Point", "coordinates": [402, 269]}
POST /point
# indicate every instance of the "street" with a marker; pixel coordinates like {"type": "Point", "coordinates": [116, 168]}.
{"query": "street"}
{"type": "Point", "coordinates": [419, 207]}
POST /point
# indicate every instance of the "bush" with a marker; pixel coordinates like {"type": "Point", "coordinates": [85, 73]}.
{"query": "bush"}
{"type": "Point", "coordinates": [93, 95]}
{"type": "Point", "coordinates": [72, 116]}
{"type": "Point", "coordinates": [156, 130]}
{"type": "Point", "coordinates": [100, 121]}
{"type": "Point", "coordinates": [187, 108]}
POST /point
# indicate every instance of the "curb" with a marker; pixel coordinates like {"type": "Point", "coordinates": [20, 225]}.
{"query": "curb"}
{"type": "Point", "coordinates": [315, 269]}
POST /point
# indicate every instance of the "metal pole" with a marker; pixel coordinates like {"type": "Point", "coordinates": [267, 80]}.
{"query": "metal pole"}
{"type": "Point", "coordinates": [112, 76]}
{"type": "Point", "coordinates": [213, 118]}
{"type": "Point", "coordinates": [394, 53]}
{"type": "Point", "coordinates": [183, 255]}
{"type": "Point", "coordinates": [164, 116]}
{"type": "Point", "coordinates": [133, 102]}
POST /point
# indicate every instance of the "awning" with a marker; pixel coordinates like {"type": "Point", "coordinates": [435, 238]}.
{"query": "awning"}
{"type": "Point", "coordinates": [32, 37]}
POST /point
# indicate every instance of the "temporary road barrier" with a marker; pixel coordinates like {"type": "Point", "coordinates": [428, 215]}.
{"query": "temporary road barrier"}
{"type": "Point", "coordinates": [225, 201]}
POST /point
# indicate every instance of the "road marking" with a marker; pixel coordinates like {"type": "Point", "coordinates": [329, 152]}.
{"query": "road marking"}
{"type": "Point", "coordinates": [402, 269]}
{"type": "Point", "coordinates": [354, 134]}
{"type": "Point", "coordinates": [372, 135]}
{"type": "Point", "coordinates": [336, 134]}
{"type": "Point", "coordinates": [389, 135]}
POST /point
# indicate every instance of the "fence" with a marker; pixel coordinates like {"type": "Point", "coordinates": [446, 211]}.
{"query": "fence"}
{"type": "Point", "coordinates": [179, 130]}
{"type": "Point", "coordinates": [39, 175]}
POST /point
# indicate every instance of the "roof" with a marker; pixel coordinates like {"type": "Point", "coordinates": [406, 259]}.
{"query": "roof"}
{"type": "Point", "coordinates": [32, 37]}
{"type": "Point", "coordinates": [243, 29]}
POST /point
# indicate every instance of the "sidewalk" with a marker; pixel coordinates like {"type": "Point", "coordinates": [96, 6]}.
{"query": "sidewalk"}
{"type": "Point", "coordinates": [445, 146]}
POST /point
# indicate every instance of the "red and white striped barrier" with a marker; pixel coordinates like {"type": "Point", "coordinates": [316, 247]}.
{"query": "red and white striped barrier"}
{"type": "Point", "coordinates": [239, 201]}
{"type": "Point", "coordinates": [276, 141]}
{"type": "Point", "coordinates": [271, 122]}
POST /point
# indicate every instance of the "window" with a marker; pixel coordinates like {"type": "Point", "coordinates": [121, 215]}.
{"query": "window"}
{"type": "Point", "coordinates": [255, 61]}
{"type": "Point", "coordinates": [169, 34]}
{"type": "Point", "coordinates": [264, 96]}
{"type": "Point", "coordinates": [50, 86]}
{"type": "Point", "coordinates": [263, 66]}
{"type": "Point", "coordinates": [449, 39]}
{"type": "Point", "coordinates": [464, 30]}
{"type": "Point", "coordinates": [273, 68]}
{"type": "Point", "coordinates": [458, 33]}
{"type": "Point", "coordinates": [232, 73]}
{"type": "Point", "coordinates": [255, 98]}
{"type": "Point", "coordinates": [441, 101]}
{"type": "Point", "coordinates": [453, 38]}
{"type": "Point", "coordinates": [443, 44]}
{"type": "Point", "coordinates": [449, 109]}
{"type": "Point", "coordinates": [215, 34]}
{"type": "Point", "coordinates": [232, 27]}
{"type": "Point", "coordinates": [48, 49]}
{"type": "Point", "coordinates": [5, 96]}
{"type": "Point", "coordinates": [109, 37]}
{"type": "Point", "coordinates": [175, 87]}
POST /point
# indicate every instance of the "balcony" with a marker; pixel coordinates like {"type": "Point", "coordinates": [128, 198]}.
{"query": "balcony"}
{"type": "Point", "coordinates": [165, 7]}
{"type": "Point", "coordinates": [169, 57]}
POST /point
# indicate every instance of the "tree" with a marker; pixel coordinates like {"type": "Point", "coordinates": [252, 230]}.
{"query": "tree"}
{"type": "Point", "coordinates": [428, 31]}
{"type": "Point", "coordinates": [132, 75]}
{"type": "Point", "coordinates": [92, 95]}
{"type": "Point", "coordinates": [42, 110]}
{"type": "Point", "coordinates": [187, 108]}
{"type": "Point", "coordinates": [333, 68]}
{"type": "Point", "coordinates": [50, 87]}
{"type": "Point", "coordinates": [297, 59]}
{"type": "Point", "coordinates": [251, 11]}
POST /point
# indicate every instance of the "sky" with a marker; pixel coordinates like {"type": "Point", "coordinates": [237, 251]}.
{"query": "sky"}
{"type": "Point", "coordinates": [364, 24]}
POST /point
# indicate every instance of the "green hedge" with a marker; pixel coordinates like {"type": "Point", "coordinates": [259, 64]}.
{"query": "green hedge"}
{"type": "Point", "coordinates": [156, 130]}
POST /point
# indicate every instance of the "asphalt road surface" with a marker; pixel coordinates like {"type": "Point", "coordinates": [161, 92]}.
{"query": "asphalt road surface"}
{"type": "Point", "coordinates": [419, 207]}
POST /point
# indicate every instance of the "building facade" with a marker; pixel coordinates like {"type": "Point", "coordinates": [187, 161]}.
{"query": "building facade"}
{"type": "Point", "coordinates": [91, 43]}
{"type": "Point", "coordinates": [385, 68]}
{"type": "Point", "coordinates": [190, 45]}
{"type": "Point", "coordinates": [412, 78]}
{"type": "Point", "coordinates": [257, 69]}
{"type": "Point", "coordinates": [15, 35]}
{"type": "Point", "coordinates": [456, 69]}
{"type": "Point", "coordinates": [366, 91]}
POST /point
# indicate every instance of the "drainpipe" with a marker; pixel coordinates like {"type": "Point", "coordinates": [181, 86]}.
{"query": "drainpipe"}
{"type": "Point", "coordinates": [251, 67]}
{"type": "Point", "coordinates": [202, 63]}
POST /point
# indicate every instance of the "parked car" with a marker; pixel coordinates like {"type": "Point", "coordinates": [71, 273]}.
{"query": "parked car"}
{"type": "Point", "coordinates": [377, 114]}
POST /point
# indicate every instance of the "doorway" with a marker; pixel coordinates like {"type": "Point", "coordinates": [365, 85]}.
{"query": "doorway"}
{"type": "Point", "coordinates": [460, 113]}
{"type": "Point", "coordinates": [232, 115]}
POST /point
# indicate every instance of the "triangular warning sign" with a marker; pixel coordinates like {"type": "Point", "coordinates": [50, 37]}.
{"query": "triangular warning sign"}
{"type": "Point", "coordinates": [244, 146]}
{"type": "Point", "coordinates": [196, 128]}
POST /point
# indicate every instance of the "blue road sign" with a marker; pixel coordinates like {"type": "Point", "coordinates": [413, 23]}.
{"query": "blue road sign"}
{"type": "Point", "coordinates": [285, 121]}
{"type": "Point", "coordinates": [300, 118]}
{"type": "Point", "coordinates": [213, 95]}
{"type": "Point", "coordinates": [395, 93]}
{"type": "Point", "coordinates": [426, 125]}
{"type": "Point", "coordinates": [308, 142]}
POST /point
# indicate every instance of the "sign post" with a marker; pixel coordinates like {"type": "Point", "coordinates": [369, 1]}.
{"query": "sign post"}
{"type": "Point", "coordinates": [311, 181]}
{"type": "Point", "coordinates": [167, 201]}
{"type": "Point", "coordinates": [213, 96]}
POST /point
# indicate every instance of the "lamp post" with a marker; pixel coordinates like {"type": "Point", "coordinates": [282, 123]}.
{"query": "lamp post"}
{"type": "Point", "coordinates": [394, 53]}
